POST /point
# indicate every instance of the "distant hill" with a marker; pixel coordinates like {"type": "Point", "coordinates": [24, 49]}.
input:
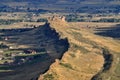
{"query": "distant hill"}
{"type": "Point", "coordinates": [58, 0]}
{"type": "Point", "coordinates": [84, 6]}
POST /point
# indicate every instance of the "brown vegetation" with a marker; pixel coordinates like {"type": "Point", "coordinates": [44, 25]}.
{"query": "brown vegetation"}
{"type": "Point", "coordinates": [85, 57]}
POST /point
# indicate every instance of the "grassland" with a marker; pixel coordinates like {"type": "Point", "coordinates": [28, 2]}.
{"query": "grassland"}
{"type": "Point", "coordinates": [90, 56]}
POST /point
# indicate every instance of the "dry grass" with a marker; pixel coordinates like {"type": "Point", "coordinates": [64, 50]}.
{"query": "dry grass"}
{"type": "Point", "coordinates": [84, 66]}
{"type": "Point", "coordinates": [85, 63]}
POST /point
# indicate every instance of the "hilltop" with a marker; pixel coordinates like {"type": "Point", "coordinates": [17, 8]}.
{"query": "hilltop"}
{"type": "Point", "coordinates": [89, 57]}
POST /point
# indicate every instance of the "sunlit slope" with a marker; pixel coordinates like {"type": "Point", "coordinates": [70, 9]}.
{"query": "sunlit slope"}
{"type": "Point", "coordinates": [90, 56]}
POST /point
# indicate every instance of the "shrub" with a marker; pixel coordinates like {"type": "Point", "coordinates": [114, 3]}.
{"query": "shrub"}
{"type": "Point", "coordinates": [67, 65]}
{"type": "Point", "coordinates": [72, 55]}
{"type": "Point", "coordinates": [48, 77]}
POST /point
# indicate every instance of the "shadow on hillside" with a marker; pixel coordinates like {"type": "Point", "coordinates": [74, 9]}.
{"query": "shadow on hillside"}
{"type": "Point", "coordinates": [113, 32]}
{"type": "Point", "coordinates": [108, 59]}
{"type": "Point", "coordinates": [40, 39]}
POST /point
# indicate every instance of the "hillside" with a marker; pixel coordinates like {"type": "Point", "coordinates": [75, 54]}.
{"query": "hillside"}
{"type": "Point", "coordinates": [59, 39]}
{"type": "Point", "coordinates": [60, 50]}
{"type": "Point", "coordinates": [28, 52]}
{"type": "Point", "coordinates": [89, 57]}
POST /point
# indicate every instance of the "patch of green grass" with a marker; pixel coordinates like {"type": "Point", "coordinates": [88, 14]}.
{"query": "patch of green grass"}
{"type": "Point", "coordinates": [48, 77]}
{"type": "Point", "coordinates": [67, 65]}
{"type": "Point", "coordinates": [82, 49]}
{"type": "Point", "coordinates": [72, 55]}
{"type": "Point", "coordinates": [11, 51]}
{"type": "Point", "coordinates": [79, 37]}
{"type": "Point", "coordinates": [117, 70]}
{"type": "Point", "coordinates": [26, 55]}
{"type": "Point", "coordinates": [3, 67]}
{"type": "Point", "coordinates": [9, 21]}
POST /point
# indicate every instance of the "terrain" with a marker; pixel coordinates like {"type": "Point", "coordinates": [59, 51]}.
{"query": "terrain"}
{"type": "Point", "coordinates": [93, 53]}
{"type": "Point", "coordinates": [59, 40]}
{"type": "Point", "coordinates": [28, 52]}
{"type": "Point", "coordinates": [76, 50]}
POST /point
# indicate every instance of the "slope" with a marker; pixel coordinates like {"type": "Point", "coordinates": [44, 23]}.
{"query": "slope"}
{"type": "Point", "coordinates": [88, 55]}
{"type": "Point", "coordinates": [46, 46]}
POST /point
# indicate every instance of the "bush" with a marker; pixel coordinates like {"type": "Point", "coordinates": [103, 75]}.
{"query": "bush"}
{"type": "Point", "coordinates": [72, 55]}
{"type": "Point", "coordinates": [9, 21]}
{"type": "Point", "coordinates": [42, 20]}
{"type": "Point", "coordinates": [67, 65]}
{"type": "Point", "coordinates": [48, 77]}
{"type": "Point", "coordinates": [2, 46]}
